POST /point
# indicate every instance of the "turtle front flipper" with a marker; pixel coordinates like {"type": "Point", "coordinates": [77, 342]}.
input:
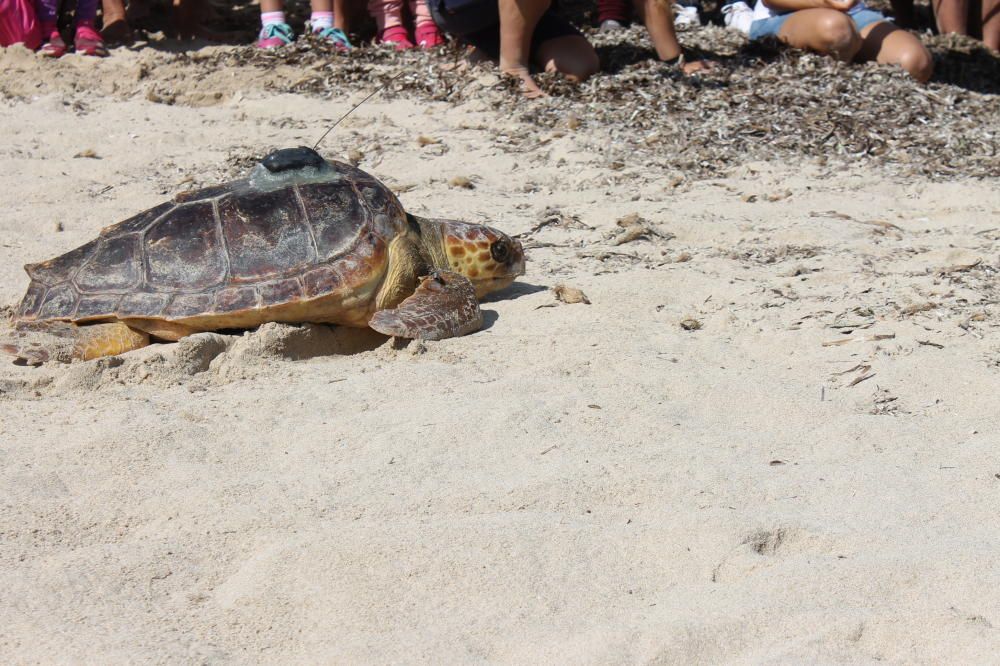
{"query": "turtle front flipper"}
{"type": "Point", "coordinates": [38, 343]}
{"type": "Point", "coordinates": [444, 305]}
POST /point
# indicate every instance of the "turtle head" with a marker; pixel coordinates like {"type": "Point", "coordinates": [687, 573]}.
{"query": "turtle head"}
{"type": "Point", "coordinates": [488, 257]}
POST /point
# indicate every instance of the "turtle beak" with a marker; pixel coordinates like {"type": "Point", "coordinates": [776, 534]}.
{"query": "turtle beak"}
{"type": "Point", "coordinates": [516, 262]}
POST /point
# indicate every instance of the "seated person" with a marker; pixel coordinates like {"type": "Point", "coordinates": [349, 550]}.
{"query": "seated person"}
{"type": "Point", "coordinates": [977, 19]}
{"type": "Point", "coordinates": [519, 34]}
{"type": "Point", "coordinates": [845, 29]}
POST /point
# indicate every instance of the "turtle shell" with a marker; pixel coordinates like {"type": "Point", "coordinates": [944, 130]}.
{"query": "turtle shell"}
{"type": "Point", "coordinates": [300, 238]}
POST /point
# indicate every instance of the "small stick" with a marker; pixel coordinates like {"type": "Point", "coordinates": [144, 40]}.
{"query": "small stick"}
{"type": "Point", "coordinates": [351, 110]}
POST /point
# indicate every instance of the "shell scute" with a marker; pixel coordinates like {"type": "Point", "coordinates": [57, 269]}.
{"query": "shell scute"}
{"type": "Point", "coordinates": [32, 301]}
{"type": "Point", "coordinates": [235, 299]}
{"type": "Point", "coordinates": [322, 280]}
{"type": "Point", "coordinates": [375, 195]}
{"type": "Point", "coordinates": [61, 268]}
{"type": "Point", "coordinates": [266, 234]}
{"type": "Point", "coordinates": [388, 214]}
{"type": "Point", "coordinates": [115, 265]}
{"type": "Point", "coordinates": [188, 305]}
{"type": "Point", "coordinates": [138, 223]}
{"type": "Point", "coordinates": [92, 306]}
{"type": "Point", "coordinates": [184, 251]}
{"type": "Point", "coordinates": [281, 291]}
{"type": "Point", "coordinates": [335, 215]}
{"type": "Point", "coordinates": [60, 302]}
{"type": "Point", "coordinates": [354, 269]}
{"type": "Point", "coordinates": [142, 304]}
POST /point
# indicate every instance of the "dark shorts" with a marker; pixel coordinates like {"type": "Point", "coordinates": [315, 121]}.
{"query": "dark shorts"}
{"type": "Point", "coordinates": [477, 22]}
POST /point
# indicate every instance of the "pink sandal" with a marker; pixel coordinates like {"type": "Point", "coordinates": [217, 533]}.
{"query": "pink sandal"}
{"type": "Point", "coordinates": [427, 35]}
{"type": "Point", "coordinates": [396, 36]}
{"type": "Point", "coordinates": [88, 42]}
{"type": "Point", "coordinates": [53, 45]}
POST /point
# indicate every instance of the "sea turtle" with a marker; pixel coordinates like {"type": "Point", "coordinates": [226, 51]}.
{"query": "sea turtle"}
{"type": "Point", "coordinates": [300, 239]}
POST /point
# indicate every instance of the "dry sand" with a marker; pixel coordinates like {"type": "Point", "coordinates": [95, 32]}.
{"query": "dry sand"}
{"type": "Point", "coordinates": [809, 474]}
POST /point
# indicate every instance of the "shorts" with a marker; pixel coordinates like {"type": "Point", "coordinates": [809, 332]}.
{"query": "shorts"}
{"type": "Point", "coordinates": [477, 22]}
{"type": "Point", "coordinates": [769, 27]}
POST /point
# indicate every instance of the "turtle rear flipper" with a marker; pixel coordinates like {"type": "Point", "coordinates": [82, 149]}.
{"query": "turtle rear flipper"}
{"type": "Point", "coordinates": [38, 343]}
{"type": "Point", "coordinates": [443, 306]}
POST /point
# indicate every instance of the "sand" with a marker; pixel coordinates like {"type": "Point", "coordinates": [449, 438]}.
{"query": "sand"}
{"type": "Point", "coordinates": [806, 470]}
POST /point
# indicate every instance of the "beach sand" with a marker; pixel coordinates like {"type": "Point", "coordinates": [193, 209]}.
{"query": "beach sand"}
{"type": "Point", "coordinates": [771, 437]}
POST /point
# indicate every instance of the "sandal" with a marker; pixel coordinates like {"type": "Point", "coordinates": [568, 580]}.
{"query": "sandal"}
{"type": "Point", "coordinates": [427, 35]}
{"type": "Point", "coordinates": [53, 46]}
{"type": "Point", "coordinates": [274, 35]}
{"type": "Point", "coordinates": [88, 42]}
{"type": "Point", "coordinates": [336, 37]}
{"type": "Point", "coordinates": [396, 36]}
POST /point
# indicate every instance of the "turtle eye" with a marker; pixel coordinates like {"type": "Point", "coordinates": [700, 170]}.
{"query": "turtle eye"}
{"type": "Point", "coordinates": [500, 250]}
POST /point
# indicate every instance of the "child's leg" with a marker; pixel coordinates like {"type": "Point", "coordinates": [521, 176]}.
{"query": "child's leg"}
{"type": "Point", "coordinates": [826, 31]}
{"type": "Point", "coordinates": [425, 31]}
{"type": "Point", "coordinates": [86, 12]}
{"type": "Point", "coordinates": [572, 56]}
{"type": "Point", "coordinates": [421, 14]}
{"type": "Point", "coordinates": [115, 27]}
{"type": "Point", "coordinates": [889, 45]}
{"type": "Point", "coordinates": [341, 20]}
{"type": "Point", "coordinates": [86, 39]}
{"type": "Point", "coordinates": [52, 42]}
{"type": "Point", "coordinates": [321, 22]}
{"type": "Point", "coordinates": [991, 24]}
{"type": "Point", "coordinates": [659, 20]}
{"type": "Point", "coordinates": [47, 11]}
{"type": "Point", "coordinates": [274, 31]}
{"type": "Point", "coordinates": [952, 16]}
{"type": "Point", "coordinates": [561, 47]}
{"type": "Point", "coordinates": [612, 10]}
{"type": "Point", "coordinates": [271, 12]}
{"type": "Point", "coordinates": [322, 15]}
{"type": "Point", "coordinates": [388, 15]}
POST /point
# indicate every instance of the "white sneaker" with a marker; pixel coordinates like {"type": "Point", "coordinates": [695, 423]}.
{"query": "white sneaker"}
{"type": "Point", "coordinates": [686, 17]}
{"type": "Point", "coordinates": [738, 16]}
{"type": "Point", "coordinates": [610, 25]}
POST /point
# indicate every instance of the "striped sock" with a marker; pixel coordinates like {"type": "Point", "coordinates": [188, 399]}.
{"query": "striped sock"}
{"type": "Point", "coordinates": [268, 18]}
{"type": "Point", "coordinates": [321, 20]}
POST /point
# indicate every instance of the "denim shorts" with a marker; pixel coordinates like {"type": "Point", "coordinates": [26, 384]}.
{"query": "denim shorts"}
{"type": "Point", "coordinates": [770, 27]}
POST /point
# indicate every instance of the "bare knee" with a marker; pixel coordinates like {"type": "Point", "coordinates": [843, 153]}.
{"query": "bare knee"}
{"type": "Point", "coordinates": [837, 36]}
{"type": "Point", "coordinates": [572, 57]}
{"type": "Point", "coordinates": [580, 67]}
{"type": "Point", "coordinates": [917, 61]}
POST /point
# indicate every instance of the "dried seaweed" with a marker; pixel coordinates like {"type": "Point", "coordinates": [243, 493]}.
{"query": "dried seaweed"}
{"type": "Point", "coordinates": [762, 102]}
{"type": "Point", "coordinates": [569, 295]}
